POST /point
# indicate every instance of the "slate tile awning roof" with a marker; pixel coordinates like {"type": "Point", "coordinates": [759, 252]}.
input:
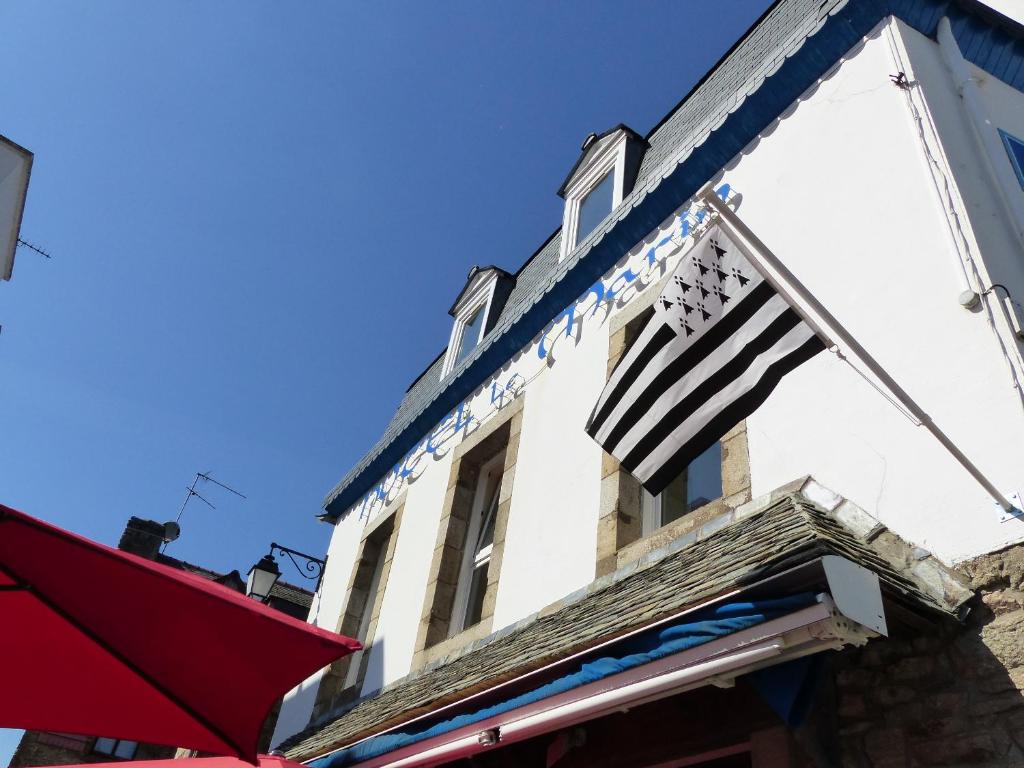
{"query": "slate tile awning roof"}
{"type": "Point", "coordinates": [789, 532]}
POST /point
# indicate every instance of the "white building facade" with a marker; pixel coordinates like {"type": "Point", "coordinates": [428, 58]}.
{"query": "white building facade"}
{"type": "Point", "coordinates": [877, 149]}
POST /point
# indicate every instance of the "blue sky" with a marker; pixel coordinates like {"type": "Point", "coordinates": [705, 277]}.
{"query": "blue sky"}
{"type": "Point", "coordinates": [259, 218]}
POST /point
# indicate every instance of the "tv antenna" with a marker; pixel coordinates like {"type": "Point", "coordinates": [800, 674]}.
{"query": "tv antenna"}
{"type": "Point", "coordinates": [36, 248]}
{"type": "Point", "coordinates": [191, 492]}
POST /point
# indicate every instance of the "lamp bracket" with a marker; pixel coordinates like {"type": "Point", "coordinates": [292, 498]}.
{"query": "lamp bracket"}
{"type": "Point", "coordinates": [313, 570]}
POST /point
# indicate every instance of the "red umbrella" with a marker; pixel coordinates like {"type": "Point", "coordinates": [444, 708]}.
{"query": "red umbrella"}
{"type": "Point", "coordinates": [98, 641]}
{"type": "Point", "coordinates": [262, 761]}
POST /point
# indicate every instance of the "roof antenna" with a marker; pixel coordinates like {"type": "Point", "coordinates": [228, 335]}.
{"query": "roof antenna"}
{"type": "Point", "coordinates": [31, 247]}
{"type": "Point", "coordinates": [191, 491]}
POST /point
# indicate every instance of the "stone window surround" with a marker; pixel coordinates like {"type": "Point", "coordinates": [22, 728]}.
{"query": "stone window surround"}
{"type": "Point", "coordinates": [619, 531]}
{"type": "Point", "coordinates": [378, 541]}
{"type": "Point", "coordinates": [432, 640]}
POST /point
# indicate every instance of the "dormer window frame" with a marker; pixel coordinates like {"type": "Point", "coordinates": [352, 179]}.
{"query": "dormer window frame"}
{"type": "Point", "coordinates": [608, 159]}
{"type": "Point", "coordinates": [478, 299]}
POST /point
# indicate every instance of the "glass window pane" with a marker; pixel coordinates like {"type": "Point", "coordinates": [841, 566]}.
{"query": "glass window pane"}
{"type": "Point", "coordinates": [595, 206]}
{"type": "Point", "coordinates": [698, 484]}
{"type": "Point", "coordinates": [490, 513]}
{"type": "Point", "coordinates": [704, 477]}
{"type": "Point", "coordinates": [674, 503]}
{"type": "Point", "coordinates": [104, 746]}
{"type": "Point", "coordinates": [477, 590]}
{"type": "Point", "coordinates": [125, 749]}
{"type": "Point", "coordinates": [470, 334]}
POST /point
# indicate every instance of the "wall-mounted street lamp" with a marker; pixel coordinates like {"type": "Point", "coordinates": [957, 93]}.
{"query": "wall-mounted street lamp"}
{"type": "Point", "coordinates": [264, 575]}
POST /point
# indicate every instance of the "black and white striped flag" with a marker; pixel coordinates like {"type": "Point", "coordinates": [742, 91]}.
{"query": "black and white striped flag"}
{"type": "Point", "coordinates": [720, 340]}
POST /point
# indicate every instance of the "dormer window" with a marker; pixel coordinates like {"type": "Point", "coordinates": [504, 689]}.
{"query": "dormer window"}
{"type": "Point", "coordinates": [602, 177]}
{"type": "Point", "coordinates": [475, 311]}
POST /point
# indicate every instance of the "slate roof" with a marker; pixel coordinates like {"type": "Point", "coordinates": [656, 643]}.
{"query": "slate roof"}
{"type": "Point", "coordinates": [728, 101]}
{"type": "Point", "coordinates": [292, 594]}
{"type": "Point", "coordinates": [196, 570]}
{"type": "Point", "coordinates": [528, 280]}
{"type": "Point", "coordinates": [282, 590]}
{"type": "Point", "coordinates": [789, 532]}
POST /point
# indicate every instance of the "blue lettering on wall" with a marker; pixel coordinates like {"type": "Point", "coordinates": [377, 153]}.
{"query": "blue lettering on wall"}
{"type": "Point", "coordinates": [604, 296]}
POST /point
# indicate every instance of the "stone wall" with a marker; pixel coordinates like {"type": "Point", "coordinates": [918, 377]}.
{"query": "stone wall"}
{"type": "Point", "coordinates": [949, 695]}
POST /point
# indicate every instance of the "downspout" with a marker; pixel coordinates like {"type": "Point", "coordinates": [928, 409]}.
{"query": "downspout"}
{"type": "Point", "coordinates": [985, 133]}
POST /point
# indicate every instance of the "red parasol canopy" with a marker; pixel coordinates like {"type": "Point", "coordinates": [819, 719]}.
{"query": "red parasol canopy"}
{"type": "Point", "coordinates": [262, 761]}
{"type": "Point", "coordinates": [100, 642]}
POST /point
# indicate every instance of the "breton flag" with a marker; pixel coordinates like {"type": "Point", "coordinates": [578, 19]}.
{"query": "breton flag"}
{"type": "Point", "coordinates": [719, 342]}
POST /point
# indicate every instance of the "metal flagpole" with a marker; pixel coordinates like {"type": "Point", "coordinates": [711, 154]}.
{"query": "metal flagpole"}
{"type": "Point", "coordinates": [730, 221]}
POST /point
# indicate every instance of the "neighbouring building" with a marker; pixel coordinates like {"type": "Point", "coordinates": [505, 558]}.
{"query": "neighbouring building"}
{"type": "Point", "coordinates": [15, 168]}
{"type": "Point", "coordinates": [146, 538]}
{"type": "Point", "coordinates": [824, 585]}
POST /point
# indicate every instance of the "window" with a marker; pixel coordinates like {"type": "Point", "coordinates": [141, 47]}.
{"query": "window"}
{"type": "Point", "coordinates": [355, 666]}
{"type": "Point", "coordinates": [348, 677]}
{"type": "Point", "coordinates": [115, 748]}
{"type": "Point", "coordinates": [595, 206]}
{"type": "Point", "coordinates": [595, 188]}
{"type": "Point", "coordinates": [462, 583]}
{"type": "Point", "coordinates": [485, 290]}
{"type": "Point", "coordinates": [633, 520]}
{"type": "Point", "coordinates": [470, 334]}
{"type": "Point", "coordinates": [476, 559]}
{"type": "Point", "coordinates": [1015, 149]}
{"type": "Point", "coordinates": [699, 484]}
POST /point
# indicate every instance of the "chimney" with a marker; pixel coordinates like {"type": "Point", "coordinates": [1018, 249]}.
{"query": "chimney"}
{"type": "Point", "coordinates": [142, 537]}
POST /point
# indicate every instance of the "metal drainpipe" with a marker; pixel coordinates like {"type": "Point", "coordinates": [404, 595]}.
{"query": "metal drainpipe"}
{"type": "Point", "coordinates": [985, 133]}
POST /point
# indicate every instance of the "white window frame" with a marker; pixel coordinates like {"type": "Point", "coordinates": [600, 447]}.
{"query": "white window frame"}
{"type": "Point", "coordinates": [471, 559]}
{"type": "Point", "coordinates": [611, 157]}
{"type": "Point", "coordinates": [477, 297]}
{"type": "Point", "coordinates": [651, 513]}
{"type": "Point", "coordinates": [650, 520]}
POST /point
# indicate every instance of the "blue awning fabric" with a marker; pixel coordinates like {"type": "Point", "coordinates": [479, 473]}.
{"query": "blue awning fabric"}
{"type": "Point", "coordinates": [702, 627]}
{"type": "Point", "coordinates": [790, 688]}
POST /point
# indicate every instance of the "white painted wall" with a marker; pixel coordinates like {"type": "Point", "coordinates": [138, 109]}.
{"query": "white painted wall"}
{"type": "Point", "coordinates": [395, 638]}
{"type": "Point", "coordinates": [1014, 9]}
{"type": "Point", "coordinates": [842, 190]}
{"type": "Point", "coordinates": [872, 243]}
{"type": "Point", "coordinates": [551, 540]}
{"type": "Point", "coordinates": [326, 611]}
